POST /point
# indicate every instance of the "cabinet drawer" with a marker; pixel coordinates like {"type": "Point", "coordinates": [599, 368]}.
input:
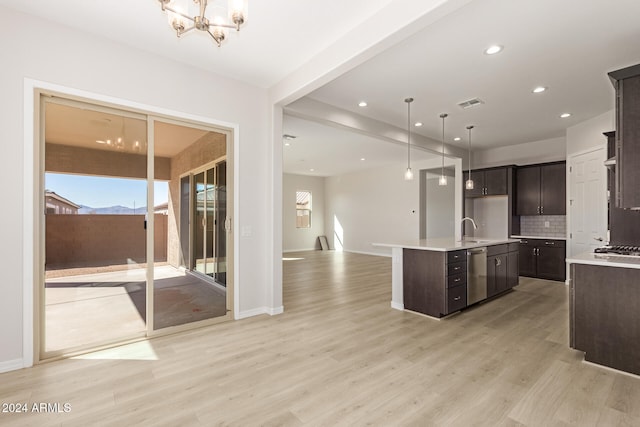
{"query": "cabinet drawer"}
{"type": "Point", "coordinates": [514, 247]}
{"type": "Point", "coordinates": [456, 298]}
{"type": "Point", "coordinates": [497, 249]}
{"type": "Point", "coordinates": [456, 268]}
{"type": "Point", "coordinates": [457, 279]}
{"type": "Point", "coordinates": [457, 256]}
{"type": "Point", "coordinates": [553, 243]}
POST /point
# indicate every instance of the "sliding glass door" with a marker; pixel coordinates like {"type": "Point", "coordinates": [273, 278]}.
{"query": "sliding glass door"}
{"type": "Point", "coordinates": [134, 211]}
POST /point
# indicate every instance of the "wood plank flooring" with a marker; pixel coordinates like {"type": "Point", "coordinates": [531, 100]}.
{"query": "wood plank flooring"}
{"type": "Point", "coordinates": [339, 355]}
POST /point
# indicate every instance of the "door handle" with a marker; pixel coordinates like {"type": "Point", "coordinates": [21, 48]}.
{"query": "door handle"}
{"type": "Point", "coordinates": [498, 261]}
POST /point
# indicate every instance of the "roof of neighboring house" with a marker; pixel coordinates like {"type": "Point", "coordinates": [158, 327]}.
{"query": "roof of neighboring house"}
{"type": "Point", "coordinates": [53, 195]}
{"type": "Point", "coordinates": [161, 207]}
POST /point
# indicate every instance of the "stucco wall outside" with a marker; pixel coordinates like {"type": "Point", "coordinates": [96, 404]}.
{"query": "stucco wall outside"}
{"type": "Point", "coordinates": [100, 240]}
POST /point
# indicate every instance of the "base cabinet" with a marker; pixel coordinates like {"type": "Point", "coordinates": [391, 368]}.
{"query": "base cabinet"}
{"type": "Point", "coordinates": [543, 259]}
{"type": "Point", "coordinates": [435, 282]}
{"type": "Point", "coordinates": [502, 268]}
{"type": "Point", "coordinates": [604, 315]}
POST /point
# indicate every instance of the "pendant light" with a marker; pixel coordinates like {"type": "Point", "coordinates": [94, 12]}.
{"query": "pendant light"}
{"type": "Point", "coordinates": [469, 184]}
{"type": "Point", "coordinates": [443, 178]}
{"type": "Point", "coordinates": [408, 175]}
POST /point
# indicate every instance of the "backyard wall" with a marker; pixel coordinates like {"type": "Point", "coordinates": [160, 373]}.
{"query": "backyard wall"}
{"type": "Point", "coordinates": [100, 240]}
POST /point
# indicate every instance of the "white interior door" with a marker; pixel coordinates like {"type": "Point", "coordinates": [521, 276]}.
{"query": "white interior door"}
{"type": "Point", "coordinates": [588, 201]}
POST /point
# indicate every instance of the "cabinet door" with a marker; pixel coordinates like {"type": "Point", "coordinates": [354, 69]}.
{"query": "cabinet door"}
{"type": "Point", "coordinates": [527, 259]}
{"type": "Point", "coordinates": [553, 189]}
{"type": "Point", "coordinates": [551, 263]}
{"type": "Point", "coordinates": [496, 274]}
{"type": "Point", "coordinates": [478, 184]}
{"type": "Point", "coordinates": [628, 141]}
{"type": "Point", "coordinates": [513, 269]}
{"type": "Point", "coordinates": [495, 182]}
{"type": "Point", "coordinates": [528, 191]}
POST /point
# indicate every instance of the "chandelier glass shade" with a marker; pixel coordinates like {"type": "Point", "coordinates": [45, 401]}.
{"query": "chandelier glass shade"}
{"type": "Point", "coordinates": [184, 19]}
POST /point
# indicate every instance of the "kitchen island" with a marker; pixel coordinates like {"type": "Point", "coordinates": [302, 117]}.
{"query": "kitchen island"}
{"type": "Point", "coordinates": [604, 309]}
{"type": "Point", "coordinates": [438, 277]}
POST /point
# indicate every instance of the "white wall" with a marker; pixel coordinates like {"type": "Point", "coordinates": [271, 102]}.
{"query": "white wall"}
{"type": "Point", "coordinates": [301, 239]}
{"type": "Point", "coordinates": [62, 56]}
{"type": "Point", "coordinates": [547, 150]}
{"type": "Point", "coordinates": [588, 134]}
{"type": "Point", "coordinates": [377, 206]}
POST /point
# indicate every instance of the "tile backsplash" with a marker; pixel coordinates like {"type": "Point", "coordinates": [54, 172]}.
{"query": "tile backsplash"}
{"type": "Point", "coordinates": [536, 225]}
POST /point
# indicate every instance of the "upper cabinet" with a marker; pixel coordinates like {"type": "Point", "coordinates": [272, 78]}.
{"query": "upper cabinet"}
{"type": "Point", "coordinates": [487, 182]}
{"type": "Point", "coordinates": [627, 85]}
{"type": "Point", "coordinates": [541, 189]}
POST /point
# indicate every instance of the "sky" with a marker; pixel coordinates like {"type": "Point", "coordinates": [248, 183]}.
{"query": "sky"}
{"type": "Point", "coordinates": [100, 192]}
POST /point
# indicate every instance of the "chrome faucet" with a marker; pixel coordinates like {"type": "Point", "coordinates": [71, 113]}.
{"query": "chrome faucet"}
{"type": "Point", "coordinates": [466, 218]}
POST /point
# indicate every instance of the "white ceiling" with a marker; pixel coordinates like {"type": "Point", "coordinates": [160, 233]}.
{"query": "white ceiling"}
{"type": "Point", "coordinates": [331, 151]}
{"type": "Point", "coordinates": [567, 45]}
{"type": "Point", "coordinates": [268, 48]}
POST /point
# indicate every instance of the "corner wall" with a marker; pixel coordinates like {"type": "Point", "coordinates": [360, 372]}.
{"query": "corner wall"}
{"type": "Point", "coordinates": [302, 239]}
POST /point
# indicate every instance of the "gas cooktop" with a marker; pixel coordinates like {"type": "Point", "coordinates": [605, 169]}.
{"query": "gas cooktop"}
{"type": "Point", "coordinates": [619, 250]}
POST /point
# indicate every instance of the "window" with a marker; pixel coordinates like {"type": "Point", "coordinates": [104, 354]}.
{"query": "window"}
{"type": "Point", "coordinates": [303, 209]}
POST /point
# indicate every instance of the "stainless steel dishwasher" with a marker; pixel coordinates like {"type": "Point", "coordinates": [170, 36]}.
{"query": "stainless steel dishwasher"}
{"type": "Point", "coordinates": [476, 275]}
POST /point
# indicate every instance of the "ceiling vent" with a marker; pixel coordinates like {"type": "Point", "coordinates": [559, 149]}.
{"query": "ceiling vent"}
{"type": "Point", "coordinates": [288, 137]}
{"type": "Point", "coordinates": [471, 103]}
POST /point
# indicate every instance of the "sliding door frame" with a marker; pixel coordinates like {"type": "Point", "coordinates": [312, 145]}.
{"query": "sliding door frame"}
{"type": "Point", "coordinates": [33, 205]}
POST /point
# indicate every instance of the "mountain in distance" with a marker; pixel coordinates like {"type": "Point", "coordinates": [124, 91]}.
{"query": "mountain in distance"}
{"type": "Point", "coordinates": [112, 210]}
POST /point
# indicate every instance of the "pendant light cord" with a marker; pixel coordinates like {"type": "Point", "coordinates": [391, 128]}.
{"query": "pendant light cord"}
{"type": "Point", "coordinates": [408, 101]}
{"type": "Point", "coordinates": [443, 116]}
{"type": "Point", "coordinates": [469, 128]}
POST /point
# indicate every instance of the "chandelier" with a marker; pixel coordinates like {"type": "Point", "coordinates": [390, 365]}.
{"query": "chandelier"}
{"type": "Point", "coordinates": [217, 27]}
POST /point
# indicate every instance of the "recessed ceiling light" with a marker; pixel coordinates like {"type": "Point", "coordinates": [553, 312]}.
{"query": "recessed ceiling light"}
{"type": "Point", "coordinates": [311, 170]}
{"type": "Point", "coordinates": [492, 50]}
{"type": "Point", "coordinates": [565, 115]}
{"type": "Point", "coordinates": [362, 159]}
{"type": "Point", "coordinates": [539, 89]}
{"type": "Point", "coordinates": [362, 104]}
{"type": "Point", "coordinates": [286, 144]}
{"type": "Point", "coordinates": [418, 124]}
{"type": "Point", "coordinates": [457, 138]}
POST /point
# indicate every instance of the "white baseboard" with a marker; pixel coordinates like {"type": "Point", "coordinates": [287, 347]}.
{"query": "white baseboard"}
{"type": "Point", "coordinates": [11, 365]}
{"type": "Point", "coordinates": [259, 311]}
{"type": "Point", "coordinates": [275, 311]}
{"type": "Point", "coordinates": [397, 305]}
{"type": "Point", "coordinates": [284, 251]}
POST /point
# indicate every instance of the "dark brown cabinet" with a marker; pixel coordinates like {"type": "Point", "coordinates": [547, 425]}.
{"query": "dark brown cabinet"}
{"type": "Point", "coordinates": [604, 315]}
{"type": "Point", "coordinates": [434, 282]}
{"type": "Point", "coordinates": [543, 259]}
{"type": "Point", "coordinates": [502, 268]}
{"type": "Point", "coordinates": [541, 189]}
{"type": "Point", "coordinates": [627, 86]}
{"type": "Point", "coordinates": [487, 182]}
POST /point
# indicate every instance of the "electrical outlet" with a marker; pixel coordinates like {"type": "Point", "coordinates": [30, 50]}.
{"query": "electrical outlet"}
{"type": "Point", "coordinates": [546, 224]}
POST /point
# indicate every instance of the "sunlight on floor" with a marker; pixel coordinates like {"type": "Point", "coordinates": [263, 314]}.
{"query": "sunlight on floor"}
{"type": "Point", "coordinates": [142, 350]}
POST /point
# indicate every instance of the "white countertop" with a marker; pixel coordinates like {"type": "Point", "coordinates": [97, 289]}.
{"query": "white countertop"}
{"type": "Point", "coordinates": [538, 237]}
{"type": "Point", "coordinates": [446, 243]}
{"type": "Point", "coordinates": [605, 260]}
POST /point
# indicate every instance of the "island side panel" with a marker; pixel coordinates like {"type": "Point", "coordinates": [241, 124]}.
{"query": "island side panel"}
{"type": "Point", "coordinates": [424, 275]}
{"type": "Point", "coordinates": [606, 315]}
{"type": "Point", "coordinates": [397, 294]}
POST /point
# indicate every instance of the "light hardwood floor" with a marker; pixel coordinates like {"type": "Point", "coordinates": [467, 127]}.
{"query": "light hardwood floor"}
{"type": "Point", "coordinates": [339, 355]}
